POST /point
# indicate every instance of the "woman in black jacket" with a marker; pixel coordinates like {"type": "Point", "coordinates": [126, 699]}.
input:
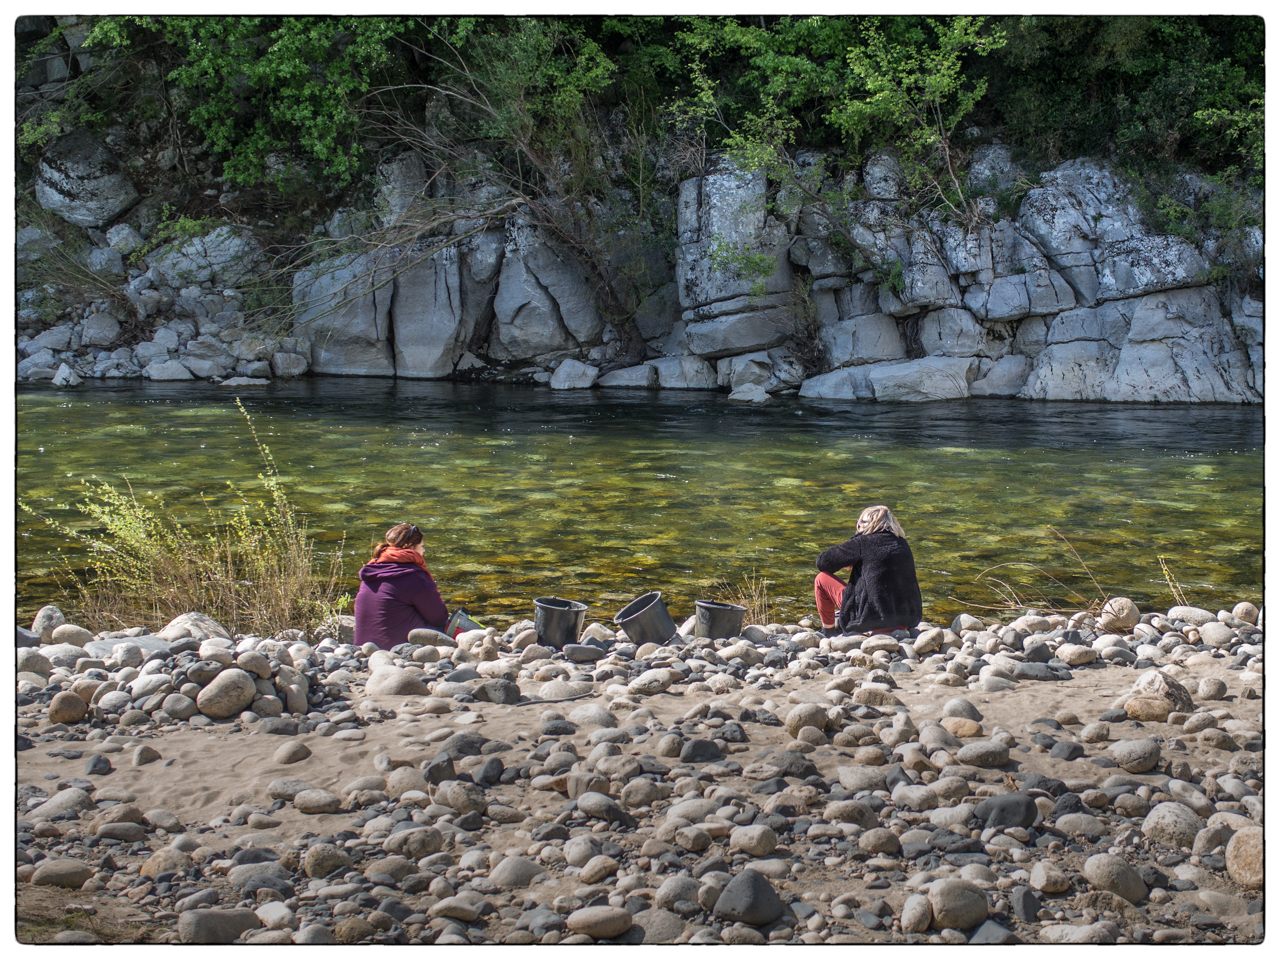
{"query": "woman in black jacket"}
{"type": "Point", "coordinates": [882, 594]}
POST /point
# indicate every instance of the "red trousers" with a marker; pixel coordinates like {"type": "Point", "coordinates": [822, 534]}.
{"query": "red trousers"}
{"type": "Point", "coordinates": [828, 591]}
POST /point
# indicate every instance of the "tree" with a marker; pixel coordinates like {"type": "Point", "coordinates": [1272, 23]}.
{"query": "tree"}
{"type": "Point", "coordinates": [918, 93]}
{"type": "Point", "coordinates": [511, 101]}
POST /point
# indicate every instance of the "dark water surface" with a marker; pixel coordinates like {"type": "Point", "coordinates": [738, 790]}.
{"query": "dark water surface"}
{"type": "Point", "coordinates": [602, 495]}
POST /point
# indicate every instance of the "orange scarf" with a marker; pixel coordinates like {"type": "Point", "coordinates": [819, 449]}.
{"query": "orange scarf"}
{"type": "Point", "coordinates": [400, 555]}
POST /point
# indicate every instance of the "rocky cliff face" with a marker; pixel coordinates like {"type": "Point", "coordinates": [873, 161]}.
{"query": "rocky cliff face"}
{"type": "Point", "coordinates": [1071, 299]}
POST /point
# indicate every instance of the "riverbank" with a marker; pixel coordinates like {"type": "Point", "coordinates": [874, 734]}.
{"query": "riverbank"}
{"type": "Point", "coordinates": [1048, 779]}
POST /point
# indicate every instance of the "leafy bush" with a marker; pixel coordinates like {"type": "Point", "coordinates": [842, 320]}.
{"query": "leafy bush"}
{"type": "Point", "coordinates": [255, 570]}
{"type": "Point", "coordinates": [1144, 89]}
{"type": "Point", "coordinates": [261, 85]}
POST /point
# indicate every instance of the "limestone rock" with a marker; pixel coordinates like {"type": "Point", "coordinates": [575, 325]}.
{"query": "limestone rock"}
{"type": "Point", "coordinates": [227, 694]}
{"type": "Point", "coordinates": [956, 904]}
{"type": "Point", "coordinates": [1113, 874]}
{"type": "Point", "coordinates": [81, 181]}
{"type": "Point", "coordinates": [684, 373]}
{"type": "Point", "coordinates": [1119, 615]}
{"type": "Point", "coordinates": [431, 328]}
{"type": "Point", "coordinates": [1245, 858]}
{"type": "Point", "coordinates": [225, 255]}
{"type": "Point", "coordinates": [61, 872]}
{"type": "Point", "coordinates": [574, 375]}
{"type": "Point", "coordinates": [929, 378]}
{"type": "Point", "coordinates": [644, 376]}
{"type": "Point", "coordinates": [1173, 824]}
{"type": "Point", "coordinates": [343, 306]}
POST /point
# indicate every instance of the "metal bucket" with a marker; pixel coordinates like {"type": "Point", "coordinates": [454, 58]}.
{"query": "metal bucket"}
{"type": "Point", "coordinates": [558, 621]}
{"type": "Point", "coordinates": [715, 620]}
{"type": "Point", "coordinates": [646, 620]}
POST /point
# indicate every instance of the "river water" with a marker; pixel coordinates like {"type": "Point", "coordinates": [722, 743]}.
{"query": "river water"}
{"type": "Point", "coordinates": [602, 495]}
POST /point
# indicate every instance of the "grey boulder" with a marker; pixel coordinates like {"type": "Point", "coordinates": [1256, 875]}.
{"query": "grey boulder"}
{"type": "Point", "coordinates": [81, 181]}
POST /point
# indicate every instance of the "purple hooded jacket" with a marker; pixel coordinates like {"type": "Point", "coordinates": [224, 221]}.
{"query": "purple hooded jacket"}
{"type": "Point", "coordinates": [393, 599]}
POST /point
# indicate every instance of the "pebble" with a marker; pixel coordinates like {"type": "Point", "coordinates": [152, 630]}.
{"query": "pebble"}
{"type": "Point", "coordinates": [956, 904]}
{"type": "Point", "coordinates": [749, 898]}
{"type": "Point", "coordinates": [600, 923]}
{"type": "Point", "coordinates": [1113, 874]}
{"type": "Point", "coordinates": [797, 767]}
{"type": "Point", "coordinates": [1173, 824]}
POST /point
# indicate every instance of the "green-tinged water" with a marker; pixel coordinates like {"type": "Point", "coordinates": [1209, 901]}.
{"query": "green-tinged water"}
{"type": "Point", "coordinates": [602, 495]}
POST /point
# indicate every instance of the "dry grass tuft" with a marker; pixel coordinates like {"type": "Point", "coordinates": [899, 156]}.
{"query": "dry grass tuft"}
{"type": "Point", "coordinates": [253, 568]}
{"type": "Point", "coordinates": [1034, 593]}
{"type": "Point", "coordinates": [750, 591]}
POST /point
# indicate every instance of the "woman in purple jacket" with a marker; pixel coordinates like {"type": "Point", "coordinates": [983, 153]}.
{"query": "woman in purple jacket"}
{"type": "Point", "coordinates": [396, 592]}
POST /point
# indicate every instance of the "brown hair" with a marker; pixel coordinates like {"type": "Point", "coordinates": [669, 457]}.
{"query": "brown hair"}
{"type": "Point", "coordinates": [402, 535]}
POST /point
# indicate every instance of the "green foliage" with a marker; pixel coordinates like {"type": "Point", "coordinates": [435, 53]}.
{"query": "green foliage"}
{"type": "Point", "coordinates": [742, 263]}
{"type": "Point", "coordinates": [917, 94]}
{"type": "Point", "coordinates": [262, 85]}
{"type": "Point", "coordinates": [1145, 89]}
{"type": "Point", "coordinates": [36, 132]}
{"type": "Point", "coordinates": [1215, 214]}
{"type": "Point", "coordinates": [253, 570]}
{"type": "Point", "coordinates": [795, 65]}
{"type": "Point", "coordinates": [892, 279]}
{"type": "Point", "coordinates": [916, 91]}
{"type": "Point", "coordinates": [529, 76]}
{"type": "Point", "coordinates": [172, 229]}
{"type": "Point", "coordinates": [804, 338]}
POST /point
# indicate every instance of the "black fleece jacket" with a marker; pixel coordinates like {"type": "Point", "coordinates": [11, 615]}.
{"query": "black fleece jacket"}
{"type": "Point", "coordinates": [882, 590]}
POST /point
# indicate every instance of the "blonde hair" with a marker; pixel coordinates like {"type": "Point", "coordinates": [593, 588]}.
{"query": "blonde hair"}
{"type": "Point", "coordinates": [875, 519]}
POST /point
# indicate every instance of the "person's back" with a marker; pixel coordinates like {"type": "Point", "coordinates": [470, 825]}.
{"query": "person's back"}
{"type": "Point", "coordinates": [883, 593]}
{"type": "Point", "coordinates": [397, 593]}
